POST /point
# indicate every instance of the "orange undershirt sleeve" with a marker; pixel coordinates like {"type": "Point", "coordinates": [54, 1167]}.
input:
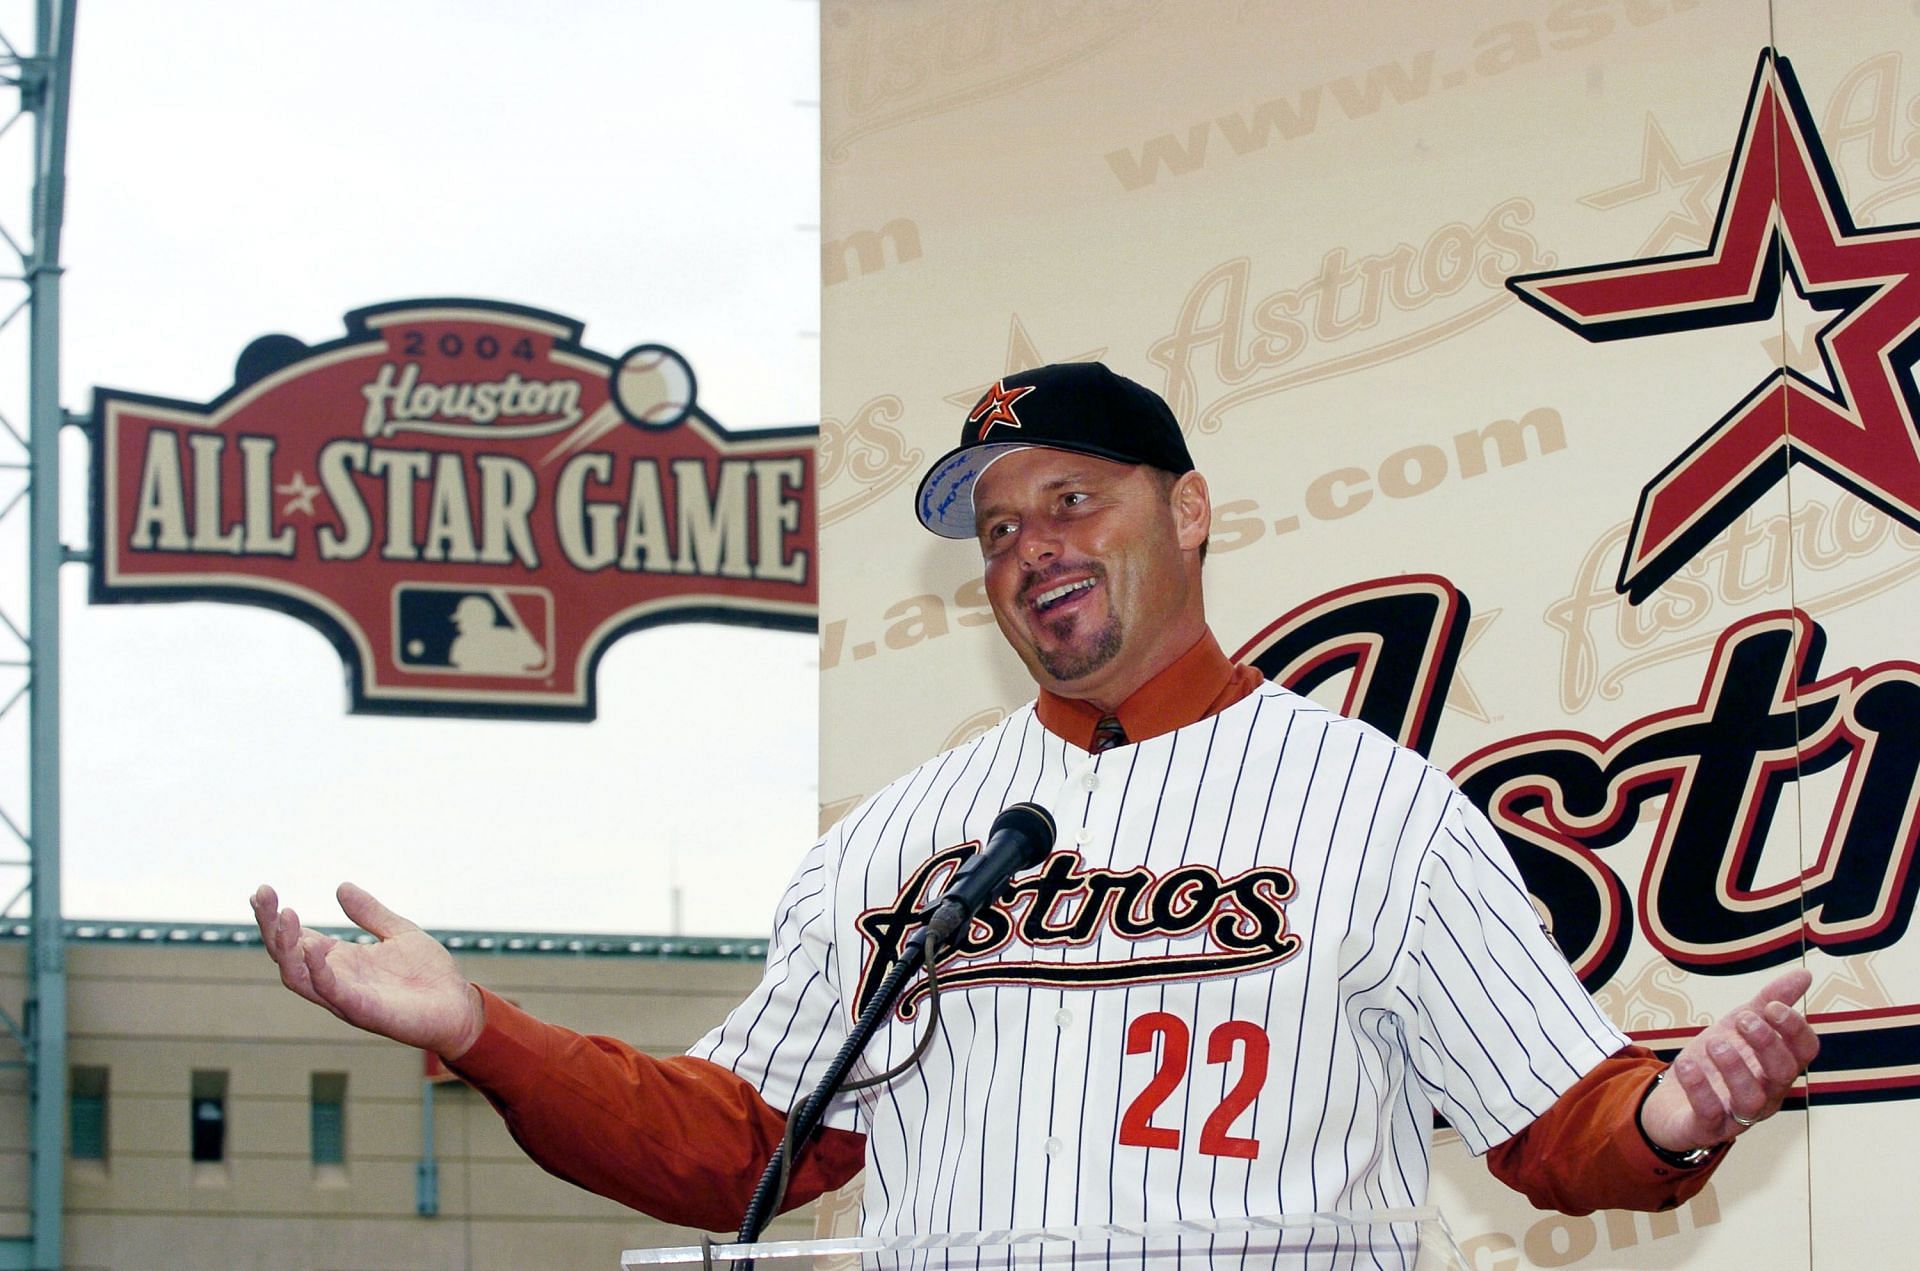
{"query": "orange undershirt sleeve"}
{"type": "Point", "coordinates": [681, 1139]}
{"type": "Point", "coordinates": [1587, 1151]}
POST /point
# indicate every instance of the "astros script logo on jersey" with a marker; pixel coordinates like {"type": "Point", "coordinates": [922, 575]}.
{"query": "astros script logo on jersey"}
{"type": "Point", "coordinates": [1067, 902]}
{"type": "Point", "coordinates": [997, 408]}
{"type": "Point", "coordinates": [466, 500]}
{"type": "Point", "coordinates": [1783, 211]}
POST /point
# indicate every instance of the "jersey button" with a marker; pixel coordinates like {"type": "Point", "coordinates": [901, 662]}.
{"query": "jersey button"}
{"type": "Point", "coordinates": [1091, 781]}
{"type": "Point", "coordinates": [1062, 1017]}
{"type": "Point", "coordinates": [1084, 834]}
{"type": "Point", "coordinates": [1054, 1147]}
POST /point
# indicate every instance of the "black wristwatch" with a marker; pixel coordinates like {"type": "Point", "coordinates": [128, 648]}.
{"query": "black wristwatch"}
{"type": "Point", "coordinates": [1679, 1160]}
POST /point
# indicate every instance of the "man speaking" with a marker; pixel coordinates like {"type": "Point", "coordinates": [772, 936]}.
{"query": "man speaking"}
{"type": "Point", "coordinates": [1267, 946]}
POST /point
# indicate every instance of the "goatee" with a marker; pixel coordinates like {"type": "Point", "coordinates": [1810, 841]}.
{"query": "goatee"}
{"type": "Point", "coordinates": [1070, 664]}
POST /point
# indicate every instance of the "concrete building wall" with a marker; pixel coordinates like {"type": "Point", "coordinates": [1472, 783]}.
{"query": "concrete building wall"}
{"type": "Point", "coordinates": [153, 1013]}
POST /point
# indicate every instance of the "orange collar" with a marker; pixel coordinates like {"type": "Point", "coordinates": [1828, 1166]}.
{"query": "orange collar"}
{"type": "Point", "coordinates": [1198, 683]}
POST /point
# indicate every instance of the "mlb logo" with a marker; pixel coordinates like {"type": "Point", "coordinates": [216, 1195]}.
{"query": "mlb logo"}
{"type": "Point", "coordinates": [441, 630]}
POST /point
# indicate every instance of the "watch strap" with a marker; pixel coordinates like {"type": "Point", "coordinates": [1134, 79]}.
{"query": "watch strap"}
{"type": "Point", "coordinates": [1693, 1159]}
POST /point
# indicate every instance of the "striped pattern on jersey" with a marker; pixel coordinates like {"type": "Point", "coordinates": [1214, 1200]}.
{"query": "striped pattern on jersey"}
{"type": "Point", "coordinates": [1423, 980]}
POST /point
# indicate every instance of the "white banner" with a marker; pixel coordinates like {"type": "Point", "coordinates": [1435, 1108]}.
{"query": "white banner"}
{"type": "Point", "coordinates": [1669, 477]}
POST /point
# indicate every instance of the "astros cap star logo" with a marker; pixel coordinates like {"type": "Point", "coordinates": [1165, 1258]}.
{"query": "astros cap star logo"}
{"type": "Point", "coordinates": [997, 408]}
{"type": "Point", "coordinates": [1782, 212]}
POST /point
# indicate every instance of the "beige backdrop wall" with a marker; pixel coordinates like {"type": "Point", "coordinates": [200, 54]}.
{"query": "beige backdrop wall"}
{"type": "Point", "coordinates": [1297, 221]}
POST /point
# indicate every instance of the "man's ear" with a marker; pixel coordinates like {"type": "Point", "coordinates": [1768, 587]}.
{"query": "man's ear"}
{"type": "Point", "coordinates": [1192, 510]}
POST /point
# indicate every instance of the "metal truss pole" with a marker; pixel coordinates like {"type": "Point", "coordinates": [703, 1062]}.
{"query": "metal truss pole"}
{"type": "Point", "coordinates": [44, 92]}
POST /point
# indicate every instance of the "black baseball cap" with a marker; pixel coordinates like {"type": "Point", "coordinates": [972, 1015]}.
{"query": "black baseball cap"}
{"type": "Point", "coordinates": [1077, 406]}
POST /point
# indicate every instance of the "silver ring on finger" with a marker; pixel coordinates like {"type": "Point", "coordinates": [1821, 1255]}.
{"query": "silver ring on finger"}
{"type": "Point", "coordinates": [1743, 1122]}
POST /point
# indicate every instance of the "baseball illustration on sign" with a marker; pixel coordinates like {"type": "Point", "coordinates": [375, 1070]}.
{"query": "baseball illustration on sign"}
{"type": "Point", "coordinates": [467, 501]}
{"type": "Point", "coordinates": [653, 386]}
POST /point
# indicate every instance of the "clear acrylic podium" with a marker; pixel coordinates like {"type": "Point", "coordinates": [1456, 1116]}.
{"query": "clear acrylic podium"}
{"type": "Point", "coordinates": [1403, 1239]}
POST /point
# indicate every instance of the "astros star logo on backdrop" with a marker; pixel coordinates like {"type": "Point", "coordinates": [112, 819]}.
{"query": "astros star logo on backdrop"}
{"type": "Point", "coordinates": [1782, 212]}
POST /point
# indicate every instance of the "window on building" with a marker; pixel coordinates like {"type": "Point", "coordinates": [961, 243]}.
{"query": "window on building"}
{"type": "Point", "coordinates": [209, 1115]}
{"type": "Point", "coordinates": [329, 1118]}
{"type": "Point", "coordinates": [87, 1113]}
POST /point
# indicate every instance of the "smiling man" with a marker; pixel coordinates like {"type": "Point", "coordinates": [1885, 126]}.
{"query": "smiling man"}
{"type": "Point", "coordinates": [1070, 543]}
{"type": "Point", "coordinates": [1269, 945]}
{"type": "Point", "coordinates": [1092, 583]}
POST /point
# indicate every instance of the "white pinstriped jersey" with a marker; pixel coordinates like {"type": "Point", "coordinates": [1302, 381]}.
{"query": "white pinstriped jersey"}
{"type": "Point", "coordinates": [1268, 944]}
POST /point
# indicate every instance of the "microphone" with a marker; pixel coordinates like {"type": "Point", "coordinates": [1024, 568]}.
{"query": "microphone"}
{"type": "Point", "coordinates": [1020, 838]}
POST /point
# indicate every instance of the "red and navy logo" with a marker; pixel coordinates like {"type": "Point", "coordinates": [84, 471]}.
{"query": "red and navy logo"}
{"type": "Point", "coordinates": [471, 504]}
{"type": "Point", "coordinates": [1782, 215]}
{"type": "Point", "coordinates": [1067, 903]}
{"type": "Point", "coordinates": [996, 408]}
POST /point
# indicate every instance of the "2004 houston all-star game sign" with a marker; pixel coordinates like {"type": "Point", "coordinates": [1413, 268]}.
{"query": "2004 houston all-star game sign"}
{"type": "Point", "coordinates": [469, 503]}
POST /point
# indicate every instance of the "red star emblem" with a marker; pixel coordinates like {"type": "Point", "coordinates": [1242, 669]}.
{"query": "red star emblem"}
{"type": "Point", "coordinates": [1782, 211]}
{"type": "Point", "coordinates": [997, 408]}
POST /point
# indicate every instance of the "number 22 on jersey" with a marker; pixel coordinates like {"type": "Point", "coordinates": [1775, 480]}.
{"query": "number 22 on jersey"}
{"type": "Point", "coordinates": [1236, 1041]}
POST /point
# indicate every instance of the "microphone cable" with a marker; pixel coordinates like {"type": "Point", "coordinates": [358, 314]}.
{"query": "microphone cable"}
{"type": "Point", "coordinates": [1020, 838]}
{"type": "Point", "coordinates": [788, 1149]}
